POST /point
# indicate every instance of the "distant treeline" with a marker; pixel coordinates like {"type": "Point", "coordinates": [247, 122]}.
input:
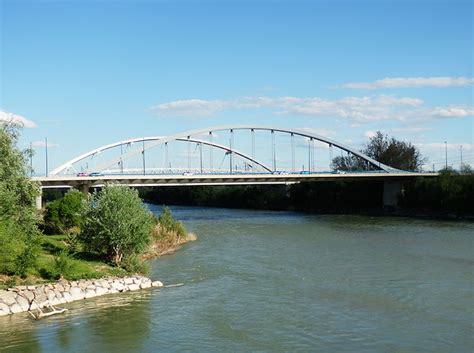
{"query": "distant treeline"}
{"type": "Point", "coordinates": [449, 194]}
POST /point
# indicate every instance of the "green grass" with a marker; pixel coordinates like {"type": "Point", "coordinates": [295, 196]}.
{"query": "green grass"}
{"type": "Point", "coordinates": [79, 266]}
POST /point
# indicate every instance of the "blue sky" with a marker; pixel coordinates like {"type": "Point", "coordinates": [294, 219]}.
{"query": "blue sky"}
{"type": "Point", "coordinates": [88, 73]}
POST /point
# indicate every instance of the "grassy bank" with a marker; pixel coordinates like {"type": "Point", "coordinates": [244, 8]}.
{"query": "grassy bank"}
{"type": "Point", "coordinates": [52, 262]}
{"type": "Point", "coordinates": [51, 265]}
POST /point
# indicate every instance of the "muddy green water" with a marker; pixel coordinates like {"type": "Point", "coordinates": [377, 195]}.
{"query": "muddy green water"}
{"type": "Point", "coordinates": [282, 282]}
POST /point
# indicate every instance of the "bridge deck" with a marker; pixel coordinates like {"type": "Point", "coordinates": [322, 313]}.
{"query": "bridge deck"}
{"type": "Point", "coordinates": [216, 179]}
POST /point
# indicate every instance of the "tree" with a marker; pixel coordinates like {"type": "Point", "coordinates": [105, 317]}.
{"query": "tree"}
{"type": "Point", "coordinates": [389, 151]}
{"type": "Point", "coordinates": [65, 213]}
{"type": "Point", "coordinates": [117, 226]}
{"type": "Point", "coordinates": [18, 216]}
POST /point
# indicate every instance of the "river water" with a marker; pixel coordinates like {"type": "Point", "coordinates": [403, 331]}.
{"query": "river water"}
{"type": "Point", "coordinates": [282, 282]}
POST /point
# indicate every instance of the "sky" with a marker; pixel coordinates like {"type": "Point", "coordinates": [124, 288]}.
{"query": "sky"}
{"type": "Point", "coordinates": [87, 73]}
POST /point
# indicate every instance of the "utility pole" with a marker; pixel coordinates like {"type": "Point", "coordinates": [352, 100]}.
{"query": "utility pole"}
{"type": "Point", "coordinates": [460, 167]}
{"type": "Point", "coordinates": [210, 152]}
{"type": "Point", "coordinates": [46, 155]}
{"type": "Point", "coordinates": [143, 155]}
{"type": "Point", "coordinates": [31, 159]}
{"type": "Point", "coordinates": [446, 154]}
{"type": "Point", "coordinates": [200, 156]}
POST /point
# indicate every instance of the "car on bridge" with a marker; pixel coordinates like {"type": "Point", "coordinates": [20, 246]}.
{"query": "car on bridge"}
{"type": "Point", "coordinates": [96, 174]}
{"type": "Point", "coordinates": [81, 174]}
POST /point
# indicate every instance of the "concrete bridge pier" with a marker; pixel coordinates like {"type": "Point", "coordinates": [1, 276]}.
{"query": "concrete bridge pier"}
{"type": "Point", "coordinates": [39, 200]}
{"type": "Point", "coordinates": [84, 188]}
{"type": "Point", "coordinates": [391, 193]}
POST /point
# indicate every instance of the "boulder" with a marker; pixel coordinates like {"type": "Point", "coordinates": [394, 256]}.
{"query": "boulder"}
{"type": "Point", "coordinates": [145, 284]}
{"type": "Point", "coordinates": [118, 286]}
{"type": "Point", "coordinates": [16, 308]}
{"type": "Point", "coordinates": [90, 293]}
{"type": "Point", "coordinates": [133, 287]}
{"type": "Point", "coordinates": [67, 297]}
{"type": "Point", "coordinates": [101, 290]}
{"type": "Point", "coordinates": [23, 303]}
{"type": "Point", "coordinates": [8, 298]}
{"type": "Point", "coordinates": [156, 284]}
{"type": "Point", "coordinates": [28, 294]}
{"type": "Point", "coordinates": [40, 296]}
{"type": "Point", "coordinates": [77, 293]}
{"type": "Point", "coordinates": [4, 309]}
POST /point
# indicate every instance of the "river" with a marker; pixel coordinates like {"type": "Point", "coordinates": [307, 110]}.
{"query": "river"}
{"type": "Point", "coordinates": [282, 282]}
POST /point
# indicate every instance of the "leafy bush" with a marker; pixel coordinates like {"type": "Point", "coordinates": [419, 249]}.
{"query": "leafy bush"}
{"type": "Point", "coordinates": [26, 259]}
{"type": "Point", "coordinates": [11, 240]}
{"type": "Point", "coordinates": [134, 264]}
{"type": "Point", "coordinates": [170, 225]}
{"type": "Point", "coordinates": [62, 264]}
{"type": "Point", "coordinates": [63, 214]}
{"type": "Point", "coordinates": [116, 224]}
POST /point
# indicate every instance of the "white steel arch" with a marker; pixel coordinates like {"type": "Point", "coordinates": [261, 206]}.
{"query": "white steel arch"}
{"type": "Point", "coordinates": [98, 150]}
{"type": "Point", "coordinates": [186, 134]}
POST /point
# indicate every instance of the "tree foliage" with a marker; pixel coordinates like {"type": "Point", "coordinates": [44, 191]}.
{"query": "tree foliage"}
{"type": "Point", "coordinates": [65, 213]}
{"type": "Point", "coordinates": [450, 192]}
{"type": "Point", "coordinates": [18, 216]}
{"type": "Point", "coordinates": [17, 191]}
{"type": "Point", "coordinates": [386, 150]}
{"type": "Point", "coordinates": [116, 224]}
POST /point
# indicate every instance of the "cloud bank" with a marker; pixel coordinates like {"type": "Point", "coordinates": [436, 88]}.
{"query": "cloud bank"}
{"type": "Point", "coordinates": [412, 82]}
{"type": "Point", "coordinates": [356, 109]}
{"type": "Point", "coordinates": [6, 117]}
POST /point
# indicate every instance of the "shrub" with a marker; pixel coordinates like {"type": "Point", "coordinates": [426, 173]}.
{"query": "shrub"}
{"type": "Point", "coordinates": [116, 223]}
{"type": "Point", "coordinates": [63, 214]}
{"type": "Point", "coordinates": [134, 264]}
{"type": "Point", "coordinates": [170, 225]}
{"type": "Point", "coordinates": [62, 264]}
{"type": "Point", "coordinates": [12, 244]}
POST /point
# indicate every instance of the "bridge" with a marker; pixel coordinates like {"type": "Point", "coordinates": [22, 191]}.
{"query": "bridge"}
{"type": "Point", "coordinates": [248, 154]}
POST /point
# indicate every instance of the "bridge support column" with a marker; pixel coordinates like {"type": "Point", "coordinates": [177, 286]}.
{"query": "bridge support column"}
{"type": "Point", "coordinates": [39, 200]}
{"type": "Point", "coordinates": [391, 192]}
{"type": "Point", "coordinates": [84, 188]}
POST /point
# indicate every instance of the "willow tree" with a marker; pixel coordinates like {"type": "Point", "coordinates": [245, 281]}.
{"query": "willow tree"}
{"type": "Point", "coordinates": [116, 225]}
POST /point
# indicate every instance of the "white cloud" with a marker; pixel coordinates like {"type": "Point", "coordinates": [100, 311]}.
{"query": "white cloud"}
{"type": "Point", "coordinates": [370, 134]}
{"type": "Point", "coordinates": [453, 112]}
{"type": "Point", "coordinates": [412, 82]}
{"type": "Point", "coordinates": [440, 146]}
{"type": "Point", "coordinates": [42, 143]}
{"type": "Point", "coordinates": [319, 131]}
{"type": "Point", "coordinates": [357, 109]}
{"type": "Point", "coordinates": [411, 129]}
{"type": "Point", "coordinates": [6, 117]}
{"type": "Point", "coordinates": [191, 107]}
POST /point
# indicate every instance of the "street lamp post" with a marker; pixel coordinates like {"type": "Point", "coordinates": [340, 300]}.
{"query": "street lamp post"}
{"type": "Point", "coordinates": [46, 155]}
{"type": "Point", "coordinates": [446, 154]}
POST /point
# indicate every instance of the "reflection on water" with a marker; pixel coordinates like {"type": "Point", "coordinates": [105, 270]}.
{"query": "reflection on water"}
{"type": "Point", "coordinates": [278, 282]}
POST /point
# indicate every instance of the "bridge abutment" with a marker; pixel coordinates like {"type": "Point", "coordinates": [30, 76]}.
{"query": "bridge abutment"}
{"type": "Point", "coordinates": [391, 193]}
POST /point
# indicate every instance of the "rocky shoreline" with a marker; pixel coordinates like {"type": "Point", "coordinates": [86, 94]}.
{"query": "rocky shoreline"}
{"type": "Point", "coordinates": [27, 298]}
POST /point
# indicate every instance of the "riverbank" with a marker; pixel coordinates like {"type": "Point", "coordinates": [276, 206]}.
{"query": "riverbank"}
{"type": "Point", "coordinates": [36, 297]}
{"type": "Point", "coordinates": [447, 197]}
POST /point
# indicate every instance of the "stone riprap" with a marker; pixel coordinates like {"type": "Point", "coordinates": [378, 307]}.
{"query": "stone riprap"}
{"type": "Point", "coordinates": [24, 298]}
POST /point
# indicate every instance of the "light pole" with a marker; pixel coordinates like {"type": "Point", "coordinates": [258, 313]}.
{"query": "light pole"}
{"type": "Point", "coordinates": [460, 147]}
{"type": "Point", "coordinates": [446, 154]}
{"type": "Point", "coordinates": [31, 159]}
{"type": "Point", "coordinates": [46, 155]}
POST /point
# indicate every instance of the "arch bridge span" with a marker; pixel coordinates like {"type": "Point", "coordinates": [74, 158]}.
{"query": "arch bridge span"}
{"type": "Point", "coordinates": [206, 137]}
